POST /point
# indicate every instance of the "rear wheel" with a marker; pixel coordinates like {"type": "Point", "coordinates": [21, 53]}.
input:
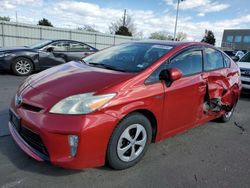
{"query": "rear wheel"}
{"type": "Point", "coordinates": [227, 116]}
{"type": "Point", "coordinates": [129, 141]}
{"type": "Point", "coordinates": [22, 66]}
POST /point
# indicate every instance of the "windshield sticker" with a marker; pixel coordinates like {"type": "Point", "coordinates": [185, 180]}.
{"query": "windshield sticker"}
{"type": "Point", "coordinates": [140, 66]}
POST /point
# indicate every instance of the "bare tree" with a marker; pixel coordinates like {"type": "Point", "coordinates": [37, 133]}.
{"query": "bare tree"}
{"type": "Point", "coordinates": [181, 36]}
{"type": "Point", "coordinates": [88, 28]}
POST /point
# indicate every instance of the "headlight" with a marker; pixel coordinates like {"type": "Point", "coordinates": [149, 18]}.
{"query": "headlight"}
{"type": "Point", "coordinates": [81, 104]}
{"type": "Point", "coordinates": [2, 54]}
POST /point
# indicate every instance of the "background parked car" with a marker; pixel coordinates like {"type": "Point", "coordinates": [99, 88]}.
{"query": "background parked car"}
{"type": "Point", "coordinates": [244, 64]}
{"type": "Point", "coordinates": [235, 55]}
{"type": "Point", "coordinates": [45, 54]}
{"type": "Point", "coordinates": [240, 54]}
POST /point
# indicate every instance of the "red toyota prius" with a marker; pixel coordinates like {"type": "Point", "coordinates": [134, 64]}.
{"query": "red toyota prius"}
{"type": "Point", "coordinates": [111, 105]}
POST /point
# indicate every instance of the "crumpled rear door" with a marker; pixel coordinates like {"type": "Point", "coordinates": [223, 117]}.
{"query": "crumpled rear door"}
{"type": "Point", "coordinates": [220, 94]}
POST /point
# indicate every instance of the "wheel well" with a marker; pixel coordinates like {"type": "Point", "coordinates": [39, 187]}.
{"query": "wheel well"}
{"type": "Point", "coordinates": [151, 117]}
{"type": "Point", "coordinates": [25, 58]}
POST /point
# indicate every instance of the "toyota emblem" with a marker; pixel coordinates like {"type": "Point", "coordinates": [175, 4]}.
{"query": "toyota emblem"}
{"type": "Point", "coordinates": [18, 100]}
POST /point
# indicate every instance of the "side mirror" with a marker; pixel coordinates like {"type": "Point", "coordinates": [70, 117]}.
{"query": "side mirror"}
{"type": "Point", "coordinates": [235, 58]}
{"type": "Point", "coordinates": [50, 49]}
{"type": "Point", "coordinates": [170, 75]}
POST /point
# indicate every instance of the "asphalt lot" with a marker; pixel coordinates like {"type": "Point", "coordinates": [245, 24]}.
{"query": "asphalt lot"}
{"type": "Point", "coordinates": [211, 155]}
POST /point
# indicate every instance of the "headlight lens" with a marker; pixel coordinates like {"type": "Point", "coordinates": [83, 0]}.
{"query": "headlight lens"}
{"type": "Point", "coordinates": [1, 54]}
{"type": "Point", "coordinates": [81, 104]}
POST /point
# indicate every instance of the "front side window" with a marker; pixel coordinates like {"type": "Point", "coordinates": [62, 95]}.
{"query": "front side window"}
{"type": "Point", "coordinates": [60, 46]}
{"type": "Point", "coordinates": [155, 76]}
{"type": "Point", "coordinates": [213, 59]}
{"type": "Point", "coordinates": [189, 62]}
{"type": "Point", "coordinates": [79, 47]}
{"type": "Point", "coordinates": [40, 44]}
{"type": "Point", "coordinates": [245, 58]}
{"type": "Point", "coordinates": [130, 57]}
{"type": "Point", "coordinates": [229, 38]}
{"type": "Point", "coordinates": [227, 61]}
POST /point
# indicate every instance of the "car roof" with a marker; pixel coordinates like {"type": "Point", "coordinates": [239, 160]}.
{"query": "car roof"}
{"type": "Point", "coordinates": [56, 40]}
{"type": "Point", "coordinates": [170, 43]}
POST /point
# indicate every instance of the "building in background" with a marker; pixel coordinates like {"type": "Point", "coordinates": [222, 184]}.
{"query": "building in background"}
{"type": "Point", "coordinates": [236, 39]}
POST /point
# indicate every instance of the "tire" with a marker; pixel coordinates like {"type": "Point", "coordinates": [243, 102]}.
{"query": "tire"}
{"type": "Point", "coordinates": [227, 116]}
{"type": "Point", "coordinates": [129, 141]}
{"type": "Point", "coordinates": [22, 66]}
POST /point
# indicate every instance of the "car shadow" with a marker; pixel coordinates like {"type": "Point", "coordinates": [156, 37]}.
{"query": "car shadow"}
{"type": "Point", "coordinates": [4, 73]}
{"type": "Point", "coordinates": [245, 95]}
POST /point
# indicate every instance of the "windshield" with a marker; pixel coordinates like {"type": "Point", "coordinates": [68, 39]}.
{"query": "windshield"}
{"type": "Point", "coordinates": [130, 57]}
{"type": "Point", "coordinates": [245, 58]}
{"type": "Point", "coordinates": [40, 44]}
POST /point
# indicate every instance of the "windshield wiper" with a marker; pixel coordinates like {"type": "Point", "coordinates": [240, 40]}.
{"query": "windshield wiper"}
{"type": "Point", "coordinates": [106, 66]}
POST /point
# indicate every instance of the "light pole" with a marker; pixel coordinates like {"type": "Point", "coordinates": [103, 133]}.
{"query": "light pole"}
{"type": "Point", "coordinates": [176, 19]}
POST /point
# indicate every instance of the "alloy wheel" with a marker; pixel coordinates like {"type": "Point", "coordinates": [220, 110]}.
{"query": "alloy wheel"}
{"type": "Point", "coordinates": [131, 142]}
{"type": "Point", "coordinates": [23, 67]}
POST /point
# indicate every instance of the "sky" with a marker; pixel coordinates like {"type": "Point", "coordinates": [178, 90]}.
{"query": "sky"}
{"type": "Point", "coordinates": [148, 15]}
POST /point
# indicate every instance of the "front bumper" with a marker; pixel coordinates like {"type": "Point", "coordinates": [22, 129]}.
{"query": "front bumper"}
{"type": "Point", "coordinates": [4, 65]}
{"type": "Point", "coordinates": [93, 131]}
{"type": "Point", "coordinates": [24, 145]}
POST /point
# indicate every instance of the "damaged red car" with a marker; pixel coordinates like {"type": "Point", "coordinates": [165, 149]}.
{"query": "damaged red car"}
{"type": "Point", "coordinates": [111, 105]}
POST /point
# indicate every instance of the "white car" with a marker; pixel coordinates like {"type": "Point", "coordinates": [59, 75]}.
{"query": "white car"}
{"type": "Point", "coordinates": [244, 64]}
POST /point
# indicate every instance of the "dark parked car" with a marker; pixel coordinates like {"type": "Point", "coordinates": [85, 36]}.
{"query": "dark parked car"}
{"type": "Point", "coordinates": [45, 54]}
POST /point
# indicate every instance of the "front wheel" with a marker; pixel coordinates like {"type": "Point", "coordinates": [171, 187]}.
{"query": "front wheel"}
{"type": "Point", "coordinates": [22, 66]}
{"type": "Point", "coordinates": [129, 141]}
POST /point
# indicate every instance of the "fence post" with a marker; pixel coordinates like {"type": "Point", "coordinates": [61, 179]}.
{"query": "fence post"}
{"type": "Point", "coordinates": [41, 35]}
{"type": "Point", "coordinates": [2, 34]}
{"type": "Point", "coordinates": [70, 35]}
{"type": "Point", "coordinates": [95, 39]}
{"type": "Point", "coordinates": [114, 40]}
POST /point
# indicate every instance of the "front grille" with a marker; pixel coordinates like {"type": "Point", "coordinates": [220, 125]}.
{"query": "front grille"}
{"type": "Point", "coordinates": [245, 82]}
{"type": "Point", "coordinates": [31, 107]}
{"type": "Point", "coordinates": [35, 141]}
{"type": "Point", "coordinates": [245, 72]}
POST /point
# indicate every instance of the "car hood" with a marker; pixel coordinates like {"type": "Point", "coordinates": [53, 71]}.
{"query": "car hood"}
{"type": "Point", "coordinates": [14, 49]}
{"type": "Point", "coordinates": [245, 65]}
{"type": "Point", "coordinates": [75, 78]}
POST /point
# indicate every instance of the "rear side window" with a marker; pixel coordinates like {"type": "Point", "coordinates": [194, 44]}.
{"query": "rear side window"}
{"type": "Point", "coordinates": [227, 61]}
{"type": "Point", "coordinates": [213, 59]}
{"type": "Point", "coordinates": [79, 47]}
{"type": "Point", "coordinates": [189, 62]}
{"type": "Point", "coordinates": [60, 46]}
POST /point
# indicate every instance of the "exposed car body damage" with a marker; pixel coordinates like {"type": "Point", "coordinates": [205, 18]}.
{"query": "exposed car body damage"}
{"type": "Point", "coordinates": [220, 95]}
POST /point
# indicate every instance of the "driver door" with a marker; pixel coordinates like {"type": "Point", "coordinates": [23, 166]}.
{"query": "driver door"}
{"type": "Point", "coordinates": [55, 57]}
{"type": "Point", "coordinates": [184, 98]}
